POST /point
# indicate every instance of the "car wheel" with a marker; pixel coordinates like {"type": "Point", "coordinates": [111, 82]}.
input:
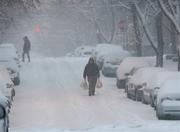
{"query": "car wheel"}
{"type": "Point", "coordinates": [128, 96]}
{"type": "Point", "coordinates": [13, 92]}
{"type": "Point", "coordinates": [151, 102]}
{"type": "Point", "coordinates": [103, 72]}
{"type": "Point", "coordinates": [16, 81]}
{"type": "Point", "coordinates": [155, 105]}
{"type": "Point", "coordinates": [137, 98]}
{"type": "Point", "coordinates": [7, 130]}
{"type": "Point", "coordinates": [118, 84]}
{"type": "Point", "coordinates": [143, 100]}
{"type": "Point", "coordinates": [159, 116]}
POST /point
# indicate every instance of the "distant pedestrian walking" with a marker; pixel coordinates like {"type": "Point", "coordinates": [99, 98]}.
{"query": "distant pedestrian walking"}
{"type": "Point", "coordinates": [26, 48]}
{"type": "Point", "coordinates": [91, 71]}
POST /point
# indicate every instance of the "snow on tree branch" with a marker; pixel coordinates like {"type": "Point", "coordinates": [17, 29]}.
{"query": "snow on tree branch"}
{"type": "Point", "coordinates": [172, 18]}
{"type": "Point", "coordinates": [147, 32]}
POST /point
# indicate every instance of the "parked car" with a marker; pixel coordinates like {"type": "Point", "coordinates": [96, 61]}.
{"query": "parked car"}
{"type": "Point", "coordinates": [4, 113]}
{"type": "Point", "coordinates": [154, 84]}
{"type": "Point", "coordinates": [8, 51]}
{"type": "Point", "coordinates": [70, 54]}
{"type": "Point", "coordinates": [110, 65]}
{"type": "Point", "coordinates": [12, 68]}
{"type": "Point", "coordinates": [168, 99]}
{"type": "Point", "coordinates": [84, 51]}
{"type": "Point", "coordinates": [139, 81]}
{"type": "Point", "coordinates": [6, 85]}
{"type": "Point", "coordinates": [128, 65]}
{"type": "Point", "coordinates": [103, 50]}
{"type": "Point", "coordinates": [11, 48]}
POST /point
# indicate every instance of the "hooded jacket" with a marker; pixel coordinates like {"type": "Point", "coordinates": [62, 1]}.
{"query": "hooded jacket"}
{"type": "Point", "coordinates": [91, 69]}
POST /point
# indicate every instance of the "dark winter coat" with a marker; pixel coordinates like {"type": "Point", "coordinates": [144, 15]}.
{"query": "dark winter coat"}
{"type": "Point", "coordinates": [91, 69]}
{"type": "Point", "coordinates": [27, 45]}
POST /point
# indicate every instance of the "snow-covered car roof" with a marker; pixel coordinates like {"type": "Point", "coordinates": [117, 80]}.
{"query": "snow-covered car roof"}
{"type": "Point", "coordinates": [8, 51]}
{"type": "Point", "coordinates": [104, 46]}
{"type": "Point", "coordinates": [8, 63]}
{"type": "Point", "coordinates": [4, 75]}
{"type": "Point", "coordinates": [113, 56]}
{"type": "Point", "coordinates": [161, 77]}
{"type": "Point", "coordinates": [3, 100]}
{"type": "Point", "coordinates": [8, 45]}
{"type": "Point", "coordinates": [83, 49]}
{"type": "Point", "coordinates": [143, 75]}
{"type": "Point", "coordinates": [108, 48]}
{"type": "Point", "coordinates": [110, 51]}
{"type": "Point", "coordinates": [132, 62]}
{"type": "Point", "coordinates": [170, 88]}
{"type": "Point", "coordinates": [71, 54]}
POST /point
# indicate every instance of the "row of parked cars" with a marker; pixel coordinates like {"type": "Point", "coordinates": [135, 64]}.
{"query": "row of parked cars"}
{"type": "Point", "coordinates": [9, 77]}
{"type": "Point", "coordinates": [141, 80]}
{"type": "Point", "coordinates": [107, 56]}
{"type": "Point", "coordinates": [151, 85]}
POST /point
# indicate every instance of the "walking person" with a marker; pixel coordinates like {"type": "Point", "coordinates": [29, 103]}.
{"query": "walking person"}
{"type": "Point", "coordinates": [91, 71]}
{"type": "Point", "coordinates": [26, 48]}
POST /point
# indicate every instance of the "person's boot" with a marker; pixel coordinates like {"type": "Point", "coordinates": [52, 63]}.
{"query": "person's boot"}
{"type": "Point", "coordinates": [89, 93]}
{"type": "Point", "coordinates": [29, 59]}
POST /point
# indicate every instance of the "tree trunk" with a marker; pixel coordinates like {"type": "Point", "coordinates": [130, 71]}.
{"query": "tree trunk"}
{"type": "Point", "coordinates": [178, 50]}
{"type": "Point", "coordinates": [138, 42]}
{"type": "Point", "coordinates": [178, 61]}
{"type": "Point", "coordinates": [160, 46]}
{"type": "Point", "coordinates": [113, 22]}
{"type": "Point", "coordinates": [173, 39]}
{"type": "Point", "coordinates": [144, 26]}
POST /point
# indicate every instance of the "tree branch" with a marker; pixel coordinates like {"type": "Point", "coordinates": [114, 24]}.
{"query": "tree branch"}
{"type": "Point", "coordinates": [170, 16]}
{"type": "Point", "coordinates": [149, 37]}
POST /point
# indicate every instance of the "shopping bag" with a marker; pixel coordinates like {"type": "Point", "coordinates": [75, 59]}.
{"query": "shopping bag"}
{"type": "Point", "coordinates": [84, 84]}
{"type": "Point", "coordinates": [99, 84]}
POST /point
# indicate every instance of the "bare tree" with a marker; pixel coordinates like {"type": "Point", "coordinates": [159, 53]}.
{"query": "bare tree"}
{"type": "Point", "coordinates": [137, 31]}
{"type": "Point", "coordinates": [172, 10]}
{"type": "Point", "coordinates": [92, 10]}
{"type": "Point", "coordinates": [7, 9]}
{"type": "Point", "coordinates": [160, 46]}
{"type": "Point", "coordinates": [143, 18]}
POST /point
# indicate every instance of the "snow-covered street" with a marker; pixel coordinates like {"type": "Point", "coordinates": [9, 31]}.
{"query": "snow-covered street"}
{"type": "Point", "coordinates": [135, 41]}
{"type": "Point", "coordinates": [50, 99]}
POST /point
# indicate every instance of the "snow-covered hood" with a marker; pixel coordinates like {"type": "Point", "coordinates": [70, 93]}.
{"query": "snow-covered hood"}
{"type": "Point", "coordinates": [129, 63]}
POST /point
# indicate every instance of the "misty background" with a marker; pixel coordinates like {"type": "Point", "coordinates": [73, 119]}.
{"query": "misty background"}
{"type": "Point", "coordinates": [56, 27]}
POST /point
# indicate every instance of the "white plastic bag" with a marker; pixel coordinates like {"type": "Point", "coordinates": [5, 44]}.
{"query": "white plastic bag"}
{"type": "Point", "coordinates": [84, 84]}
{"type": "Point", "coordinates": [99, 83]}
